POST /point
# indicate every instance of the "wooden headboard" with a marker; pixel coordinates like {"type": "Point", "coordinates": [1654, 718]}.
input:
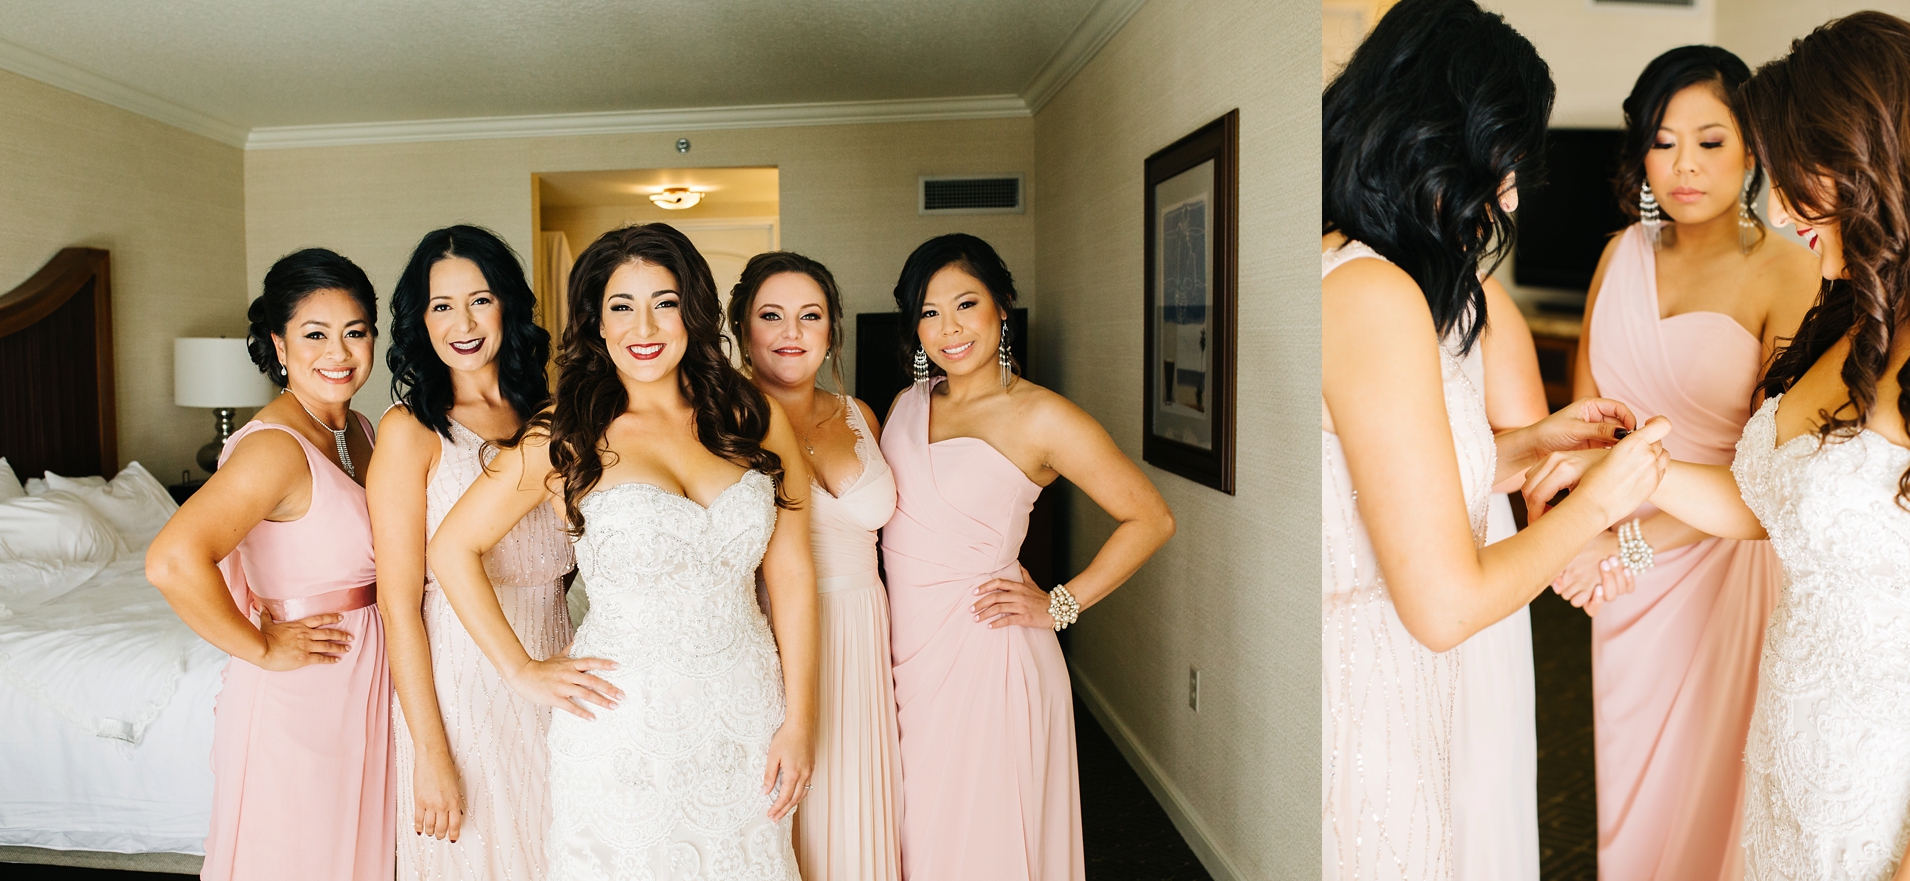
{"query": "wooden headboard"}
{"type": "Point", "coordinates": [57, 408]}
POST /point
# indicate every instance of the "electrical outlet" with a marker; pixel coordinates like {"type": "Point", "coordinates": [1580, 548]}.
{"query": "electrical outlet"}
{"type": "Point", "coordinates": [1193, 689]}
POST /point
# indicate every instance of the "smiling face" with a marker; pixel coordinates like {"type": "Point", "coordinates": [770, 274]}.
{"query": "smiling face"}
{"type": "Point", "coordinates": [789, 329]}
{"type": "Point", "coordinates": [1697, 163]}
{"type": "Point", "coordinates": [463, 319]}
{"type": "Point", "coordinates": [960, 325]}
{"type": "Point", "coordinates": [1822, 235]}
{"type": "Point", "coordinates": [642, 322]}
{"type": "Point", "coordinates": [326, 348]}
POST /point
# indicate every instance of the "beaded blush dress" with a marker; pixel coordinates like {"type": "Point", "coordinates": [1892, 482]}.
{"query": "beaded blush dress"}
{"type": "Point", "coordinates": [497, 738]}
{"type": "Point", "coordinates": [1827, 765]}
{"type": "Point", "coordinates": [1388, 701]}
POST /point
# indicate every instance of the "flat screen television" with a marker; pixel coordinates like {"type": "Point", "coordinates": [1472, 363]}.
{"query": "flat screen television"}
{"type": "Point", "coordinates": [1565, 222]}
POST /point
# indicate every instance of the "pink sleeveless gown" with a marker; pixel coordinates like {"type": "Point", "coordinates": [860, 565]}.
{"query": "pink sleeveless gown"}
{"type": "Point", "coordinates": [1674, 664]}
{"type": "Point", "coordinates": [845, 829]}
{"type": "Point", "coordinates": [986, 717]}
{"type": "Point", "coordinates": [301, 759]}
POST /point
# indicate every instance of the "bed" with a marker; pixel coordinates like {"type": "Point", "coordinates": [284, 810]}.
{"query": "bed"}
{"type": "Point", "coordinates": [105, 696]}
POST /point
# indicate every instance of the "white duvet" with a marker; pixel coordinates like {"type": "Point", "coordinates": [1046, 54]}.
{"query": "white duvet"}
{"type": "Point", "coordinates": [106, 720]}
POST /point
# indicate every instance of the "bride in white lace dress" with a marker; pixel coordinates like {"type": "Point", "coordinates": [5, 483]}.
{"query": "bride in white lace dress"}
{"type": "Point", "coordinates": [689, 736]}
{"type": "Point", "coordinates": [1823, 471]}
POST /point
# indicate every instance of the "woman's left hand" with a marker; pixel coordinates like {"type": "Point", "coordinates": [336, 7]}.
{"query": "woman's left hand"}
{"type": "Point", "coordinates": [1584, 424]}
{"type": "Point", "coordinates": [792, 757]}
{"type": "Point", "coordinates": [1004, 601]}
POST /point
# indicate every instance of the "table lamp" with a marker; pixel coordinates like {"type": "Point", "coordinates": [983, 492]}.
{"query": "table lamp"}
{"type": "Point", "coordinates": [217, 373]}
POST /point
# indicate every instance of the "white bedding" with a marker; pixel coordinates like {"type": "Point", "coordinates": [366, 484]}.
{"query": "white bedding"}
{"type": "Point", "coordinates": [106, 720]}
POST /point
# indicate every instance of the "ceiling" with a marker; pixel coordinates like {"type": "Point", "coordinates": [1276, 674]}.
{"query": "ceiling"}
{"type": "Point", "coordinates": [578, 189]}
{"type": "Point", "coordinates": [273, 63]}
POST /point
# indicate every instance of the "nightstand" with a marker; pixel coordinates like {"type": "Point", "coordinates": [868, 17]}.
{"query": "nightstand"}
{"type": "Point", "coordinates": [184, 490]}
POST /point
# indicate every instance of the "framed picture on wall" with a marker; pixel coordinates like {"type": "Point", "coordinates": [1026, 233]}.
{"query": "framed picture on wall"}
{"type": "Point", "coordinates": [1188, 415]}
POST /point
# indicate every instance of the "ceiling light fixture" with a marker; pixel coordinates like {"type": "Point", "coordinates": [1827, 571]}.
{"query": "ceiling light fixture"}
{"type": "Point", "coordinates": [677, 198]}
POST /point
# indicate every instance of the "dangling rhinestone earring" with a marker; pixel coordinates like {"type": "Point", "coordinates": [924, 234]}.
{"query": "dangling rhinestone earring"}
{"type": "Point", "coordinates": [1648, 213]}
{"type": "Point", "coordinates": [1003, 356]}
{"type": "Point", "coordinates": [921, 364]}
{"type": "Point", "coordinates": [1747, 223]}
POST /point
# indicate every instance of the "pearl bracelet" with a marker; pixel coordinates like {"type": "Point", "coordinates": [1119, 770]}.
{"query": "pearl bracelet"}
{"type": "Point", "coordinates": [1063, 607]}
{"type": "Point", "coordinates": [1633, 551]}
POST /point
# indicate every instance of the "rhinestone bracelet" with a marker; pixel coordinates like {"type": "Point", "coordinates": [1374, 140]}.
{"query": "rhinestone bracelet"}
{"type": "Point", "coordinates": [1063, 607]}
{"type": "Point", "coordinates": [1633, 551]}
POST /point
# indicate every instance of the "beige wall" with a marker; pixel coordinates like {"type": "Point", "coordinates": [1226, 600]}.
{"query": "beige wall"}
{"type": "Point", "coordinates": [168, 204]}
{"type": "Point", "coordinates": [1596, 52]}
{"type": "Point", "coordinates": [1761, 30]}
{"type": "Point", "coordinates": [1233, 593]}
{"type": "Point", "coordinates": [848, 196]}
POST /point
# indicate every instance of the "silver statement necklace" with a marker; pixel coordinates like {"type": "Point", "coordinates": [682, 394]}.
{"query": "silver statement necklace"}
{"type": "Point", "coordinates": [338, 438]}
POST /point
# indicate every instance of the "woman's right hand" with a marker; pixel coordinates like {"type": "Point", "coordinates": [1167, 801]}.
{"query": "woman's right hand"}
{"type": "Point", "coordinates": [1595, 576]}
{"type": "Point", "coordinates": [290, 645]}
{"type": "Point", "coordinates": [1617, 480]}
{"type": "Point", "coordinates": [436, 787]}
{"type": "Point", "coordinates": [566, 683]}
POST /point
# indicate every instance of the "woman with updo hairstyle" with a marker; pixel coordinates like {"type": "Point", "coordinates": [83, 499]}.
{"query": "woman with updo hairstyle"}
{"type": "Point", "coordinates": [688, 731]}
{"type": "Point", "coordinates": [786, 316]}
{"type": "Point", "coordinates": [1823, 468]}
{"type": "Point", "coordinates": [1686, 306]}
{"type": "Point", "coordinates": [984, 707]}
{"type": "Point", "coordinates": [271, 561]}
{"type": "Point", "coordinates": [467, 365]}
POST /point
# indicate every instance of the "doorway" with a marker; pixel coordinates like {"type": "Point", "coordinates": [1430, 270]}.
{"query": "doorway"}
{"type": "Point", "coordinates": [733, 214]}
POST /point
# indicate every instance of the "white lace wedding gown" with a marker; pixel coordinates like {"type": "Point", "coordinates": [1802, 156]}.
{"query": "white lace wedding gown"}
{"type": "Point", "coordinates": [1388, 701]}
{"type": "Point", "coordinates": [669, 784]}
{"type": "Point", "coordinates": [1827, 767]}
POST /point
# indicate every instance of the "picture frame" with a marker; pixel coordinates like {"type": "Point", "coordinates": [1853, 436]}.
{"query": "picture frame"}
{"type": "Point", "coordinates": [1191, 221]}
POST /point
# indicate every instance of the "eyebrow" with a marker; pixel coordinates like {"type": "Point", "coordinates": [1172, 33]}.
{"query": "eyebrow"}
{"type": "Point", "coordinates": [466, 293]}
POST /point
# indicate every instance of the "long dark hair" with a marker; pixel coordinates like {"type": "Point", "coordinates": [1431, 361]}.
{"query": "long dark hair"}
{"type": "Point", "coordinates": [1664, 77]}
{"type": "Point", "coordinates": [1440, 103]}
{"type": "Point", "coordinates": [761, 268]}
{"type": "Point", "coordinates": [288, 283]}
{"type": "Point", "coordinates": [1828, 124]}
{"type": "Point", "coordinates": [732, 415]}
{"type": "Point", "coordinates": [419, 378]}
{"type": "Point", "coordinates": [962, 251]}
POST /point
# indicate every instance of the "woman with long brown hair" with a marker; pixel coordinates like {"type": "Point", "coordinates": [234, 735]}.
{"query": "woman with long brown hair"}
{"type": "Point", "coordinates": [1823, 468]}
{"type": "Point", "coordinates": [677, 480]}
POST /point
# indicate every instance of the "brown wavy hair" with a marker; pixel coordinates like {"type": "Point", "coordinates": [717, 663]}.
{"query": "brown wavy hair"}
{"type": "Point", "coordinates": [732, 415]}
{"type": "Point", "coordinates": [772, 263]}
{"type": "Point", "coordinates": [1830, 123]}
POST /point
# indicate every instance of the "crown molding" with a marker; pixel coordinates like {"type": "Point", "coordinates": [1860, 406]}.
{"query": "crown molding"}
{"type": "Point", "coordinates": [1095, 30]}
{"type": "Point", "coordinates": [33, 65]}
{"type": "Point", "coordinates": [631, 121]}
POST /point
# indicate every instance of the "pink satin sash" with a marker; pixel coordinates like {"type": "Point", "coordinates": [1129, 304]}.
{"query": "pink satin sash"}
{"type": "Point", "coordinates": [333, 602]}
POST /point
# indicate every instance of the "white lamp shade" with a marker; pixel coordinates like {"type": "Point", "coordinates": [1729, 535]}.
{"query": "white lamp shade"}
{"type": "Point", "coordinates": [217, 372]}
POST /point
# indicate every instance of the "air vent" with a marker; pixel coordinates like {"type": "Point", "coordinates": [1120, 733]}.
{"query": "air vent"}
{"type": "Point", "coordinates": [971, 194]}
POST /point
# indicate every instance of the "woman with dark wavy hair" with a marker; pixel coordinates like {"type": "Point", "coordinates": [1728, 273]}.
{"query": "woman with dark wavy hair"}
{"type": "Point", "coordinates": [1436, 117]}
{"type": "Point", "coordinates": [786, 315]}
{"type": "Point", "coordinates": [467, 367]}
{"type": "Point", "coordinates": [1686, 307]}
{"type": "Point", "coordinates": [271, 561]}
{"type": "Point", "coordinates": [689, 728]}
{"type": "Point", "coordinates": [1823, 468]}
{"type": "Point", "coordinates": [984, 708]}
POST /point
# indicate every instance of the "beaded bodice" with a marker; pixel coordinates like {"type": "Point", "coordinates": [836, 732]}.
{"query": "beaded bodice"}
{"type": "Point", "coordinates": [535, 551]}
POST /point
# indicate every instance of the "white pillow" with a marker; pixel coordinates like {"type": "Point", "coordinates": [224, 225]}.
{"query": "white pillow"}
{"type": "Point", "coordinates": [49, 545]}
{"type": "Point", "coordinates": [10, 487]}
{"type": "Point", "coordinates": [35, 486]}
{"type": "Point", "coordinates": [134, 502]}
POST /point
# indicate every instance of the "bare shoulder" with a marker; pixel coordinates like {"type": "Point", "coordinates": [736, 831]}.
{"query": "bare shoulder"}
{"type": "Point", "coordinates": [401, 431]}
{"type": "Point", "coordinates": [1791, 279]}
{"type": "Point", "coordinates": [1045, 409]}
{"type": "Point", "coordinates": [1367, 277]}
{"type": "Point", "coordinates": [1372, 295]}
{"type": "Point", "coordinates": [265, 456]}
{"type": "Point", "coordinates": [868, 417]}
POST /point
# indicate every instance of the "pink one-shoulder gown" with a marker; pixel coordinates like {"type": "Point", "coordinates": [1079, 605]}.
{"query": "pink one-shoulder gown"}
{"type": "Point", "coordinates": [1674, 664]}
{"type": "Point", "coordinates": [986, 717]}
{"type": "Point", "coordinates": [301, 759]}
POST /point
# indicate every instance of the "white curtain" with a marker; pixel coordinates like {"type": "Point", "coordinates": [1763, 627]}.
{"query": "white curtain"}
{"type": "Point", "coordinates": [554, 288]}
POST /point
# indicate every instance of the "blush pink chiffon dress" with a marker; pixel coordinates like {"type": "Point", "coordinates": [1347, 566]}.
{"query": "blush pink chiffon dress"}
{"type": "Point", "coordinates": [846, 826]}
{"type": "Point", "coordinates": [986, 717]}
{"type": "Point", "coordinates": [1674, 664]}
{"type": "Point", "coordinates": [301, 759]}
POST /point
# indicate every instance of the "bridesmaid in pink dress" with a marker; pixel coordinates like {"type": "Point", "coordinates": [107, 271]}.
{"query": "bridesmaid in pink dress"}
{"type": "Point", "coordinates": [787, 312]}
{"type": "Point", "coordinates": [1681, 328]}
{"type": "Point", "coordinates": [989, 790]}
{"type": "Point", "coordinates": [271, 561]}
